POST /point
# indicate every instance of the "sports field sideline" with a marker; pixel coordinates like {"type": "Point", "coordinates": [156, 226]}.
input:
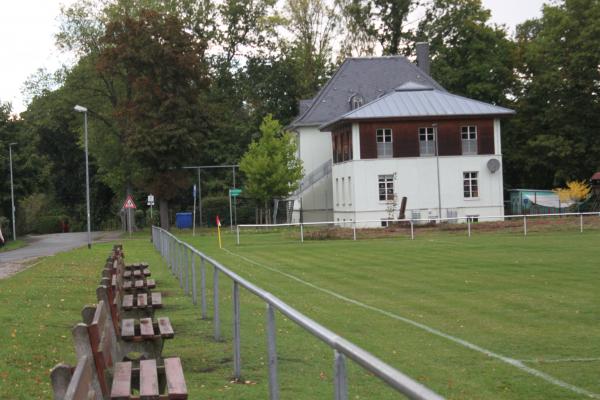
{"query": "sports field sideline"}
{"type": "Point", "coordinates": [492, 317]}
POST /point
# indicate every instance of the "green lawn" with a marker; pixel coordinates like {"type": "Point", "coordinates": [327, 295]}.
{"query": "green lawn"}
{"type": "Point", "coordinates": [13, 245]}
{"type": "Point", "coordinates": [533, 298]}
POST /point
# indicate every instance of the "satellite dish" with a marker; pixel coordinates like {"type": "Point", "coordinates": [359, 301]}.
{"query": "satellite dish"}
{"type": "Point", "coordinates": [493, 165]}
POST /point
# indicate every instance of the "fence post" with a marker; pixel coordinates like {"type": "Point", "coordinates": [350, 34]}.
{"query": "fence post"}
{"type": "Point", "coordinates": [194, 290]}
{"type": "Point", "coordinates": [341, 386]}
{"type": "Point", "coordinates": [238, 234]}
{"type": "Point", "coordinates": [272, 354]}
{"type": "Point", "coordinates": [524, 225]}
{"type": "Point", "coordinates": [216, 319]}
{"type": "Point", "coordinates": [469, 225]}
{"type": "Point", "coordinates": [187, 269]}
{"type": "Point", "coordinates": [301, 233]}
{"type": "Point", "coordinates": [354, 230]}
{"type": "Point", "coordinates": [203, 287]}
{"type": "Point", "coordinates": [412, 230]}
{"type": "Point", "coordinates": [180, 270]}
{"type": "Point", "coordinates": [581, 223]}
{"type": "Point", "coordinates": [237, 362]}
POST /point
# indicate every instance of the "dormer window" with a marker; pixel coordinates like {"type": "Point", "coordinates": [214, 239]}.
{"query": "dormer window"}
{"type": "Point", "coordinates": [356, 101]}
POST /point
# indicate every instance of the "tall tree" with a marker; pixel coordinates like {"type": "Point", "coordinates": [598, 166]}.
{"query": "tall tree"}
{"type": "Point", "coordinates": [554, 137]}
{"type": "Point", "coordinates": [469, 56]}
{"type": "Point", "coordinates": [368, 23]}
{"type": "Point", "coordinates": [161, 65]}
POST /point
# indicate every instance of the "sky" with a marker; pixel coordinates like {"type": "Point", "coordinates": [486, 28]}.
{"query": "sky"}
{"type": "Point", "coordinates": [27, 29]}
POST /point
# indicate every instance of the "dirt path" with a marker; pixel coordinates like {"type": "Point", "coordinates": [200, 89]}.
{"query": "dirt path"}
{"type": "Point", "coordinates": [14, 261]}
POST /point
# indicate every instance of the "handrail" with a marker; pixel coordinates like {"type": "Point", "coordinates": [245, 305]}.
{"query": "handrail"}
{"type": "Point", "coordinates": [173, 250]}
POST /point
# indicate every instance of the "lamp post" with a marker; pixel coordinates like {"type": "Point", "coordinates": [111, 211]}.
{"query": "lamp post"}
{"type": "Point", "coordinates": [84, 110]}
{"type": "Point", "coordinates": [12, 191]}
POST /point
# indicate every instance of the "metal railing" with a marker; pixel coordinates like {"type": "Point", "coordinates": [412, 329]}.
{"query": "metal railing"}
{"type": "Point", "coordinates": [313, 177]}
{"type": "Point", "coordinates": [467, 220]}
{"type": "Point", "coordinates": [181, 259]}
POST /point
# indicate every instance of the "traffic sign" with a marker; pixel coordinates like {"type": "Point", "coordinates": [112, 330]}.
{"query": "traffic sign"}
{"type": "Point", "coordinates": [129, 203]}
{"type": "Point", "coordinates": [235, 192]}
{"type": "Point", "coordinates": [150, 199]}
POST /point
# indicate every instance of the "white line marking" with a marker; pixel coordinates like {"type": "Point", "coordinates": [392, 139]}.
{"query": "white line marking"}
{"type": "Point", "coordinates": [511, 361]}
{"type": "Point", "coordinates": [560, 360]}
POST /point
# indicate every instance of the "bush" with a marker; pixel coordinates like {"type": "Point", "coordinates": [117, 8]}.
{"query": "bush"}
{"type": "Point", "coordinates": [48, 224]}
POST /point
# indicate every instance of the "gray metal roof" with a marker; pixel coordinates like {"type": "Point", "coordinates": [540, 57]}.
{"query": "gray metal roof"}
{"type": "Point", "coordinates": [417, 100]}
{"type": "Point", "coordinates": [370, 77]}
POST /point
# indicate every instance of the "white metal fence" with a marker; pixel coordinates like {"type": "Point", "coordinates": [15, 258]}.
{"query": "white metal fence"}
{"type": "Point", "coordinates": [411, 225]}
{"type": "Point", "coordinates": [181, 259]}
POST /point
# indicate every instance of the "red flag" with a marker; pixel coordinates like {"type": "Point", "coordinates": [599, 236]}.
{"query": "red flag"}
{"type": "Point", "coordinates": [218, 221]}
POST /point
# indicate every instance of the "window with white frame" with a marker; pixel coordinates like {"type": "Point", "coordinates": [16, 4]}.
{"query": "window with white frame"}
{"type": "Point", "coordinates": [343, 191]}
{"type": "Point", "coordinates": [470, 185]}
{"type": "Point", "coordinates": [386, 187]}
{"type": "Point", "coordinates": [349, 190]}
{"type": "Point", "coordinates": [384, 143]}
{"type": "Point", "coordinates": [427, 141]}
{"type": "Point", "coordinates": [337, 191]}
{"type": "Point", "coordinates": [468, 135]}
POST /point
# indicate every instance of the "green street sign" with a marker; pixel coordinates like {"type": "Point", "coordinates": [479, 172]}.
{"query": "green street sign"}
{"type": "Point", "coordinates": [235, 192]}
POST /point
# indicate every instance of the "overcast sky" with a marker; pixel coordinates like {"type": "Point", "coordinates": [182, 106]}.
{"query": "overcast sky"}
{"type": "Point", "coordinates": [27, 29]}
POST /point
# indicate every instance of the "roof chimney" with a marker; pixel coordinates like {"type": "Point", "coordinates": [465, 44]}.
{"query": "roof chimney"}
{"type": "Point", "coordinates": [423, 56]}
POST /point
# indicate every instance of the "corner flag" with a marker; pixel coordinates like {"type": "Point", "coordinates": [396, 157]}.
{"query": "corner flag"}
{"type": "Point", "coordinates": [219, 231]}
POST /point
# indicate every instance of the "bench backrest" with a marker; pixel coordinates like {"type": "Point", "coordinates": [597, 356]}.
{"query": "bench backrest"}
{"type": "Point", "coordinates": [102, 344]}
{"type": "Point", "coordinates": [80, 383]}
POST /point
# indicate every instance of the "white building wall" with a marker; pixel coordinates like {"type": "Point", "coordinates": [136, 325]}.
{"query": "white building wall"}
{"type": "Point", "coordinates": [317, 201]}
{"type": "Point", "coordinates": [416, 178]}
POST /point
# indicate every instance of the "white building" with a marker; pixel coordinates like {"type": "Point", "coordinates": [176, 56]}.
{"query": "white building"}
{"type": "Point", "coordinates": [382, 129]}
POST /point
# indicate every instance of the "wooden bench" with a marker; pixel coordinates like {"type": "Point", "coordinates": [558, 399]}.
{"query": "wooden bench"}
{"type": "Point", "coordinates": [112, 376]}
{"type": "Point", "coordinates": [131, 316]}
{"type": "Point", "coordinates": [131, 294]}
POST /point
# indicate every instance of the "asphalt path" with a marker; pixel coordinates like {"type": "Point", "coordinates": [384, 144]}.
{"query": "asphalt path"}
{"type": "Point", "coordinates": [47, 245]}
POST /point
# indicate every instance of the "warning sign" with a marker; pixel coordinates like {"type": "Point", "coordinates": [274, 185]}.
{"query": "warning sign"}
{"type": "Point", "coordinates": [129, 203]}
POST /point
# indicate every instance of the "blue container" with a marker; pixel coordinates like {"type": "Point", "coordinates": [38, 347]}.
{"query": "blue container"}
{"type": "Point", "coordinates": [183, 220]}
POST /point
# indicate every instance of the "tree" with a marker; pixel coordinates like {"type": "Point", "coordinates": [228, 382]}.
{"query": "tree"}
{"type": "Point", "coordinates": [554, 136]}
{"type": "Point", "coordinates": [370, 22]}
{"type": "Point", "coordinates": [270, 165]}
{"type": "Point", "coordinates": [160, 64]}
{"type": "Point", "coordinates": [469, 57]}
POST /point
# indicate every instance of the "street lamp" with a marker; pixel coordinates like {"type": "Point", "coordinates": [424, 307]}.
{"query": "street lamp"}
{"type": "Point", "coordinates": [12, 191]}
{"type": "Point", "coordinates": [84, 110]}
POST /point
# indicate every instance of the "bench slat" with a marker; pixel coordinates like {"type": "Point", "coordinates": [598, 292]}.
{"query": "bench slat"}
{"type": "Point", "coordinates": [139, 284]}
{"type": "Point", "coordinates": [128, 328]}
{"type": "Point", "coordinates": [147, 272]}
{"type": "Point", "coordinates": [156, 299]}
{"type": "Point", "coordinates": [142, 300]}
{"type": "Point", "coordinates": [137, 273]}
{"type": "Point", "coordinates": [146, 328]}
{"type": "Point", "coordinates": [126, 274]}
{"type": "Point", "coordinates": [128, 301]}
{"type": "Point", "coordinates": [150, 284]}
{"type": "Point", "coordinates": [126, 284]}
{"type": "Point", "coordinates": [121, 387]}
{"type": "Point", "coordinates": [165, 328]}
{"type": "Point", "coordinates": [148, 380]}
{"type": "Point", "coordinates": [175, 380]}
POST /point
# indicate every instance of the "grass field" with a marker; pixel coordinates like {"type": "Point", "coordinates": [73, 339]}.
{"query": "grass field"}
{"type": "Point", "coordinates": [414, 304]}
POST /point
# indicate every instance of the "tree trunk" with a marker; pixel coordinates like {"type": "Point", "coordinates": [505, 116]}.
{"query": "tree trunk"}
{"type": "Point", "coordinates": [164, 214]}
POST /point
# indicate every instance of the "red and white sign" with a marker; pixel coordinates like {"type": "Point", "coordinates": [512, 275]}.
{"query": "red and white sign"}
{"type": "Point", "coordinates": [129, 203]}
{"type": "Point", "coordinates": [218, 221]}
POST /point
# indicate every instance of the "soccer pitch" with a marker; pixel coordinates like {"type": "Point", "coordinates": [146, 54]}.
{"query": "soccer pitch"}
{"type": "Point", "coordinates": [491, 317]}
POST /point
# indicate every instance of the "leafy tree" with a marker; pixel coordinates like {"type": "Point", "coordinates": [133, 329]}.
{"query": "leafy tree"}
{"type": "Point", "coordinates": [159, 117]}
{"type": "Point", "coordinates": [469, 57]}
{"type": "Point", "coordinates": [554, 137]}
{"type": "Point", "coordinates": [575, 191]}
{"type": "Point", "coordinates": [270, 165]}
{"type": "Point", "coordinates": [371, 22]}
